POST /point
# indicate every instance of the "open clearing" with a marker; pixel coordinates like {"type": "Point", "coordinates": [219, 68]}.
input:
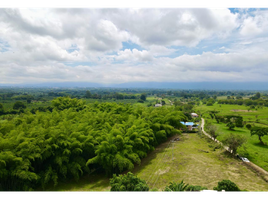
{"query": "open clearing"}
{"type": "Point", "coordinates": [191, 163]}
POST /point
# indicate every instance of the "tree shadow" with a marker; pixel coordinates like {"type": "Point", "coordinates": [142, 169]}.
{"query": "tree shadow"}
{"type": "Point", "coordinates": [89, 182]}
{"type": "Point", "coordinates": [153, 154]}
{"type": "Point", "coordinates": [258, 144]}
{"type": "Point", "coordinates": [234, 130]}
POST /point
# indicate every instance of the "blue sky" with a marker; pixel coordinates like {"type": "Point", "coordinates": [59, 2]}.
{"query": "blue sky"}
{"type": "Point", "coordinates": [133, 45]}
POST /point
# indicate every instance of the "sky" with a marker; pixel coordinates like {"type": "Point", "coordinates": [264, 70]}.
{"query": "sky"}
{"type": "Point", "coordinates": [119, 45]}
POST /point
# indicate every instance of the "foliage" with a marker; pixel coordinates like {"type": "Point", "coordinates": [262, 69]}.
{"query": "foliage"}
{"type": "Point", "coordinates": [259, 131]}
{"type": "Point", "coordinates": [88, 94]}
{"type": "Point", "coordinates": [143, 97]}
{"type": "Point", "coordinates": [42, 148]}
{"type": "Point", "coordinates": [17, 105]}
{"type": "Point", "coordinates": [176, 186]}
{"type": "Point", "coordinates": [248, 126]}
{"type": "Point", "coordinates": [195, 188]}
{"type": "Point", "coordinates": [233, 141]}
{"type": "Point", "coordinates": [1, 109]}
{"type": "Point", "coordinates": [212, 131]}
{"type": "Point", "coordinates": [230, 125]}
{"type": "Point", "coordinates": [62, 103]}
{"type": "Point", "coordinates": [128, 182]}
{"type": "Point", "coordinates": [226, 185]}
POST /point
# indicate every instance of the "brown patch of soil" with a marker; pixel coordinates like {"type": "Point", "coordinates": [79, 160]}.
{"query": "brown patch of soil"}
{"type": "Point", "coordinates": [235, 110]}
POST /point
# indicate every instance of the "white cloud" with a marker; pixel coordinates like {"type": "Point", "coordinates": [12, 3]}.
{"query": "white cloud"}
{"type": "Point", "coordinates": [134, 55]}
{"type": "Point", "coordinates": [42, 41]}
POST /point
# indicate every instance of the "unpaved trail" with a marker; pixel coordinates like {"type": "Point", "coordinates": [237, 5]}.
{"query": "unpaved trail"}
{"type": "Point", "coordinates": [260, 171]}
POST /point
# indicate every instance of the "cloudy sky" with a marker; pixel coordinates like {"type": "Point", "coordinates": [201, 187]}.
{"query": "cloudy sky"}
{"type": "Point", "coordinates": [117, 45]}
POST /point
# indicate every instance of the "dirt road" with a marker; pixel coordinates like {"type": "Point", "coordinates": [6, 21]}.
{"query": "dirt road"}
{"type": "Point", "coordinates": [263, 173]}
{"type": "Point", "coordinates": [202, 128]}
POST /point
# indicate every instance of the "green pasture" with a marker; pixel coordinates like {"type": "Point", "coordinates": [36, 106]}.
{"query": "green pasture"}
{"type": "Point", "coordinates": [253, 150]}
{"type": "Point", "coordinates": [249, 115]}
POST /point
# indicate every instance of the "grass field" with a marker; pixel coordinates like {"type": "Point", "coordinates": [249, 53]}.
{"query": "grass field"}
{"type": "Point", "coordinates": [250, 116]}
{"type": "Point", "coordinates": [194, 161]}
{"type": "Point", "coordinates": [8, 105]}
{"type": "Point", "coordinates": [255, 152]}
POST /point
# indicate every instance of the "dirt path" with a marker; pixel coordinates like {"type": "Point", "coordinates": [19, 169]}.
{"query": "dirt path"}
{"type": "Point", "coordinates": [263, 173]}
{"type": "Point", "coordinates": [202, 128]}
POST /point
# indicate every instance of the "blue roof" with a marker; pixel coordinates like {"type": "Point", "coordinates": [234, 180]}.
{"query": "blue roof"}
{"type": "Point", "coordinates": [188, 123]}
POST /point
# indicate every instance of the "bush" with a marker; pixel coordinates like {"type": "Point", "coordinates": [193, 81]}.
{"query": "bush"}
{"type": "Point", "coordinates": [17, 105]}
{"type": "Point", "coordinates": [226, 185]}
{"type": "Point", "coordinates": [140, 101]}
{"type": "Point", "coordinates": [176, 186]}
{"type": "Point", "coordinates": [128, 182]}
{"type": "Point", "coordinates": [209, 104]}
{"type": "Point", "coordinates": [195, 188]}
{"type": "Point", "coordinates": [248, 126]}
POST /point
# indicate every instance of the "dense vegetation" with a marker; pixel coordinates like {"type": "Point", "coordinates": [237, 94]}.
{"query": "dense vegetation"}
{"type": "Point", "coordinates": [74, 139]}
{"type": "Point", "coordinates": [48, 135]}
{"type": "Point", "coordinates": [130, 182]}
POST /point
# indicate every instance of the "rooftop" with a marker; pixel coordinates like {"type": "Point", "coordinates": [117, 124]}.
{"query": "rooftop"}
{"type": "Point", "coordinates": [188, 123]}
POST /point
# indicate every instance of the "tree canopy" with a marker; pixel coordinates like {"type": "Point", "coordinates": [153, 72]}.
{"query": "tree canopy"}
{"type": "Point", "coordinates": [259, 131]}
{"type": "Point", "coordinates": [128, 182]}
{"type": "Point", "coordinates": [18, 104]}
{"type": "Point", "coordinates": [233, 141]}
{"type": "Point", "coordinates": [42, 148]}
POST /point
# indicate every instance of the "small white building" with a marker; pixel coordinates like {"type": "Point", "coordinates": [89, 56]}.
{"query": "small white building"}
{"type": "Point", "coordinates": [158, 105]}
{"type": "Point", "coordinates": [194, 115]}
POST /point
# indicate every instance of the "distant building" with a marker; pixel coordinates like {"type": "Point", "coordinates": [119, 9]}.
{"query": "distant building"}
{"type": "Point", "coordinates": [158, 105]}
{"type": "Point", "coordinates": [194, 115]}
{"type": "Point", "coordinates": [189, 125]}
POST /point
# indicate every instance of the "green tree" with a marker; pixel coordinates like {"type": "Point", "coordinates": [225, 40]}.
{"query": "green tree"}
{"type": "Point", "coordinates": [143, 97]}
{"type": "Point", "coordinates": [62, 103]}
{"type": "Point", "coordinates": [256, 96]}
{"type": "Point", "coordinates": [230, 125]}
{"type": "Point", "coordinates": [226, 185]}
{"type": "Point", "coordinates": [213, 113]}
{"type": "Point", "coordinates": [233, 141]}
{"type": "Point", "coordinates": [128, 182]}
{"type": "Point", "coordinates": [18, 104]}
{"type": "Point", "coordinates": [88, 94]}
{"type": "Point", "coordinates": [259, 131]}
{"type": "Point", "coordinates": [213, 131]}
{"type": "Point", "coordinates": [248, 126]}
{"type": "Point", "coordinates": [1, 109]}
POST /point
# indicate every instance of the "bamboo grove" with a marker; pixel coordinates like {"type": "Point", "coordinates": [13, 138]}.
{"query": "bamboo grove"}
{"type": "Point", "coordinates": [40, 149]}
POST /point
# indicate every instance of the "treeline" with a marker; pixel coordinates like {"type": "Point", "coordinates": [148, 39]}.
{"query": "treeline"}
{"type": "Point", "coordinates": [73, 139]}
{"type": "Point", "coordinates": [8, 93]}
{"type": "Point", "coordinates": [246, 102]}
{"type": "Point", "coordinates": [108, 95]}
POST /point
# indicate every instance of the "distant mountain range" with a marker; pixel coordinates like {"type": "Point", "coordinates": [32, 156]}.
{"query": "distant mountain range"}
{"type": "Point", "coordinates": [155, 85]}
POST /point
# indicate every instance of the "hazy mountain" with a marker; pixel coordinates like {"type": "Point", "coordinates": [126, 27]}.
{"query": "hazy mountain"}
{"type": "Point", "coordinates": [160, 85]}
